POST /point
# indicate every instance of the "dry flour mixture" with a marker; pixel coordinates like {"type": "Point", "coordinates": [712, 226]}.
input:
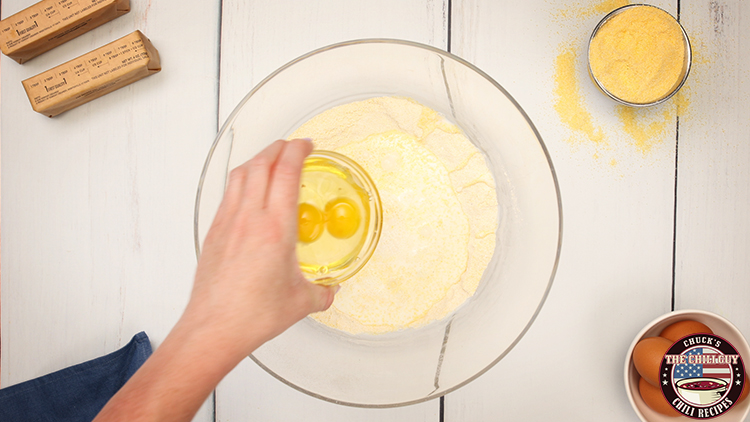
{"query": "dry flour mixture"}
{"type": "Point", "coordinates": [440, 213]}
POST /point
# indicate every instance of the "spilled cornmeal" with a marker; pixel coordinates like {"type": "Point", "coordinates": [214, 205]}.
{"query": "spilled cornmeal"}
{"type": "Point", "coordinates": [589, 129]}
{"type": "Point", "coordinates": [439, 213]}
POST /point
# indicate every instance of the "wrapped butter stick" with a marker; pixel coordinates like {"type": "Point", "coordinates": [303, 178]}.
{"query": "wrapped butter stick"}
{"type": "Point", "coordinates": [92, 75]}
{"type": "Point", "coordinates": [49, 23]}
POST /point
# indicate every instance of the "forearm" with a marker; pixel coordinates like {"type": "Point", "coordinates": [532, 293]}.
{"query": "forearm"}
{"type": "Point", "coordinates": [175, 381]}
{"type": "Point", "coordinates": [248, 289]}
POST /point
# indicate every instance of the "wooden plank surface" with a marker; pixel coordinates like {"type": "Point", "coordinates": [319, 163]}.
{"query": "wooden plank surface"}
{"type": "Point", "coordinates": [713, 186]}
{"type": "Point", "coordinates": [618, 202]}
{"type": "Point", "coordinates": [257, 38]}
{"type": "Point", "coordinates": [97, 202]}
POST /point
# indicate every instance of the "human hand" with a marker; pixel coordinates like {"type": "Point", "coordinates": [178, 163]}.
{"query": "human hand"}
{"type": "Point", "coordinates": [248, 285]}
{"type": "Point", "coordinates": [248, 289]}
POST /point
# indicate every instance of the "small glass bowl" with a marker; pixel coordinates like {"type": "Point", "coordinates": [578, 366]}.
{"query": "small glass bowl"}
{"type": "Point", "coordinates": [372, 220]}
{"type": "Point", "coordinates": [685, 67]}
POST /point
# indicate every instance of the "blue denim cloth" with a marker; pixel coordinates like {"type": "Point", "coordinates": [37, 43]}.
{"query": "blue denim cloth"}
{"type": "Point", "coordinates": [76, 393]}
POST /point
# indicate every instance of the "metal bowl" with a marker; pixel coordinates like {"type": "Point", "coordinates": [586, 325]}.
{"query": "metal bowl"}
{"type": "Point", "coordinates": [688, 59]}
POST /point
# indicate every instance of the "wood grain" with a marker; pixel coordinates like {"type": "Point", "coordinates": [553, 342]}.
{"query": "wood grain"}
{"type": "Point", "coordinates": [618, 200]}
{"type": "Point", "coordinates": [713, 185]}
{"type": "Point", "coordinates": [257, 38]}
{"type": "Point", "coordinates": [97, 202]}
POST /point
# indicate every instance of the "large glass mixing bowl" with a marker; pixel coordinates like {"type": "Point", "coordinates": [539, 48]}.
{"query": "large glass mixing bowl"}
{"type": "Point", "coordinates": [416, 364]}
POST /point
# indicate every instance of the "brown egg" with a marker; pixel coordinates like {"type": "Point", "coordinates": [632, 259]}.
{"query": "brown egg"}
{"type": "Point", "coordinates": [745, 391]}
{"type": "Point", "coordinates": [654, 398]}
{"type": "Point", "coordinates": [647, 356]}
{"type": "Point", "coordinates": [681, 329]}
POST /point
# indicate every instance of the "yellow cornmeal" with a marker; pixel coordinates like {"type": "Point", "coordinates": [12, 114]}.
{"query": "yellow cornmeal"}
{"type": "Point", "coordinates": [646, 129]}
{"type": "Point", "coordinates": [638, 55]}
{"type": "Point", "coordinates": [568, 101]}
{"type": "Point", "coordinates": [439, 213]}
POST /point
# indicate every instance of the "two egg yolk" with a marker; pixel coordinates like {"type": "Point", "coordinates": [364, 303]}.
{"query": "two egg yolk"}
{"type": "Point", "coordinates": [340, 217]}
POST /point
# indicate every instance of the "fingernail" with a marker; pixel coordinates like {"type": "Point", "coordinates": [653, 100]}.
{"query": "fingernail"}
{"type": "Point", "coordinates": [336, 288]}
{"type": "Point", "coordinates": [307, 139]}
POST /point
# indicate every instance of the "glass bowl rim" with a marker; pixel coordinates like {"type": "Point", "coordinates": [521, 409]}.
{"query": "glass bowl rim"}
{"type": "Point", "coordinates": [444, 54]}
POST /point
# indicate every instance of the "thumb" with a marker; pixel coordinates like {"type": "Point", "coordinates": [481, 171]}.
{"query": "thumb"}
{"type": "Point", "coordinates": [323, 296]}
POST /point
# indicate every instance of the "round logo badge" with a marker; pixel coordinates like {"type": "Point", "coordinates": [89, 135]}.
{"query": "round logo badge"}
{"type": "Point", "coordinates": [702, 376]}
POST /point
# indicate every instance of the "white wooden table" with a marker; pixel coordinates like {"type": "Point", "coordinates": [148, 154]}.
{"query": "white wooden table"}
{"type": "Point", "coordinates": [97, 204]}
